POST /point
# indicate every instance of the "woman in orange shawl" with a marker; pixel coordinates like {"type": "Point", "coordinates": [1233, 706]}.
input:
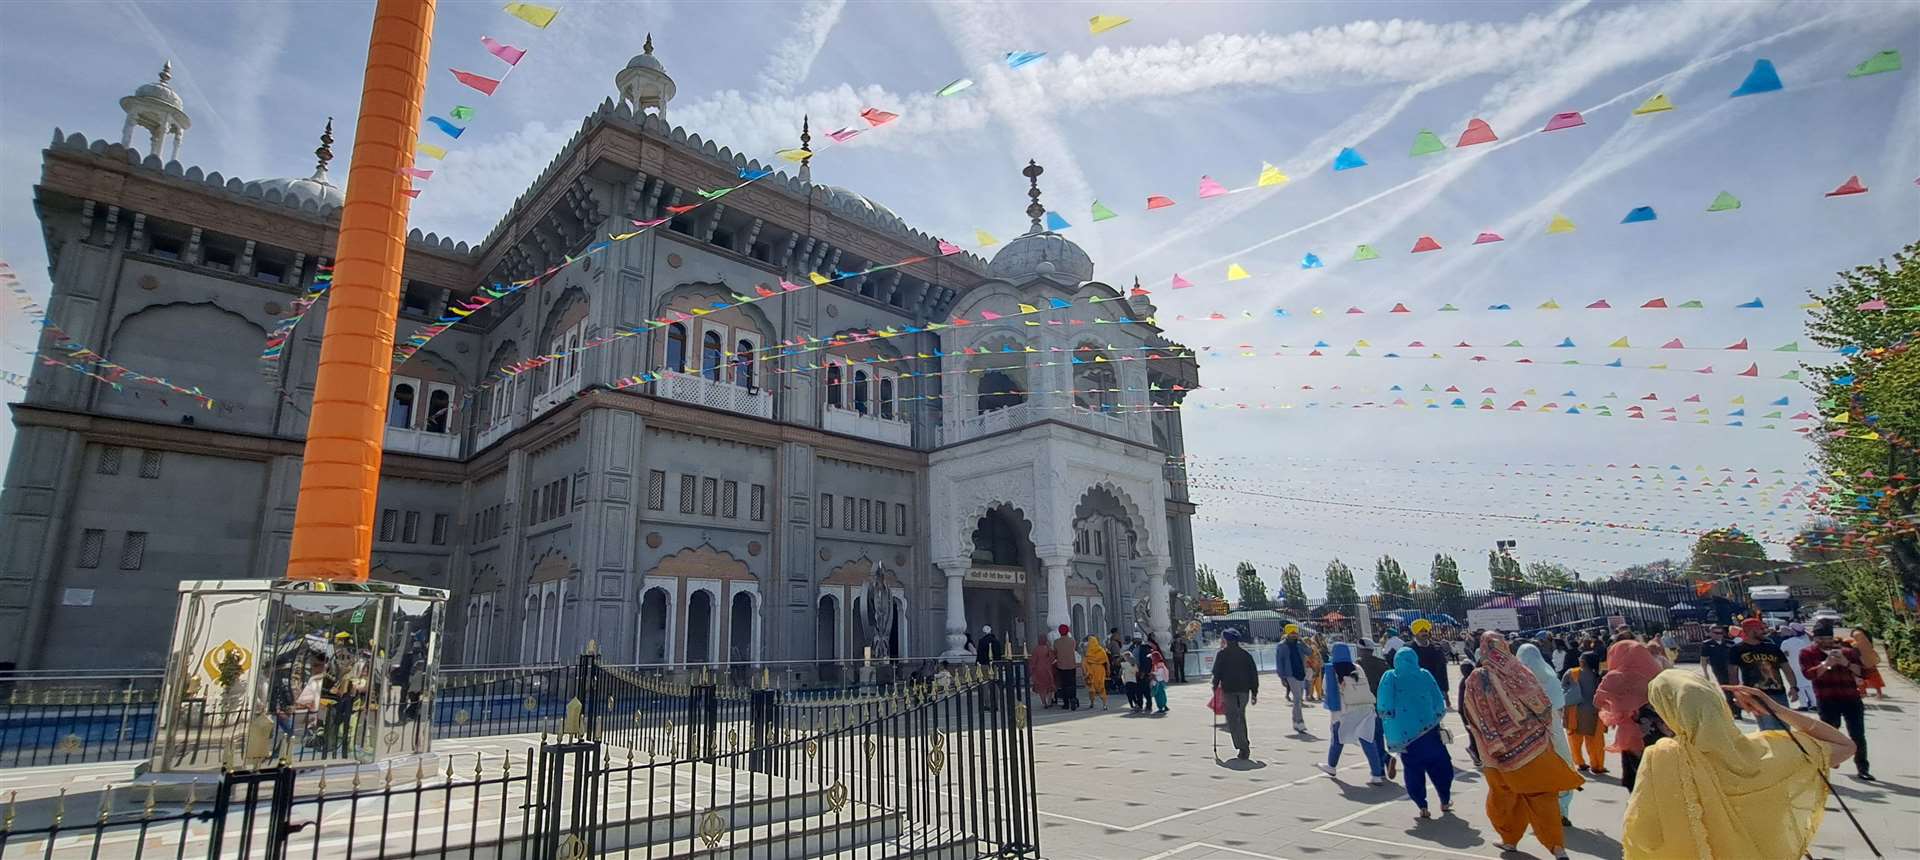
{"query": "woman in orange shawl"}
{"type": "Point", "coordinates": [1863, 643]}
{"type": "Point", "coordinates": [1096, 666]}
{"type": "Point", "coordinates": [1316, 659]}
{"type": "Point", "coordinates": [1622, 702]}
{"type": "Point", "coordinates": [1511, 719]}
{"type": "Point", "coordinates": [1040, 673]}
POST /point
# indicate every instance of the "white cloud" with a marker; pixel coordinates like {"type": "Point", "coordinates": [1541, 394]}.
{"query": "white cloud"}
{"type": "Point", "coordinates": [790, 61]}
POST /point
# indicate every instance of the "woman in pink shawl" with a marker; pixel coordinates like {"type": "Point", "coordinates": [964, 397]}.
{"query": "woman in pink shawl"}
{"type": "Point", "coordinates": [1040, 673]}
{"type": "Point", "coordinates": [1506, 708]}
{"type": "Point", "coordinates": [1622, 703]}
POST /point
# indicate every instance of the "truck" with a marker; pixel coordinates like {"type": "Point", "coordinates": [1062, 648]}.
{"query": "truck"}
{"type": "Point", "coordinates": [1775, 602]}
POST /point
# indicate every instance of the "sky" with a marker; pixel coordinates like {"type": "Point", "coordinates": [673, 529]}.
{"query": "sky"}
{"type": "Point", "coordinates": [1216, 89]}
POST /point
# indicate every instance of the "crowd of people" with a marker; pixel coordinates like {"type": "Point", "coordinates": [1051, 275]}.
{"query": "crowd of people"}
{"type": "Point", "coordinates": [1135, 667]}
{"type": "Point", "coordinates": [1538, 709]}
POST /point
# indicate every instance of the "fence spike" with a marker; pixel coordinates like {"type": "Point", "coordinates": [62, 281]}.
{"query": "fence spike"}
{"type": "Point", "coordinates": [60, 808]}
{"type": "Point", "coordinates": [13, 799]}
{"type": "Point", "coordinates": [147, 813]}
{"type": "Point", "coordinates": [106, 804]}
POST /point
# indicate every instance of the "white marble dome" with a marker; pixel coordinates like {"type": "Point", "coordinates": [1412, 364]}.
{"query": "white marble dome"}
{"type": "Point", "coordinates": [318, 190]}
{"type": "Point", "coordinates": [1046, 255]}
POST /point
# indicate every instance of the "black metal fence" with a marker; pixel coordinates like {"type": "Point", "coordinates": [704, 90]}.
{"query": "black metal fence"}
{"type": "Point", "coordinates": [936, 768]}
{"type": "Point", "coordinates": [1644, 605]}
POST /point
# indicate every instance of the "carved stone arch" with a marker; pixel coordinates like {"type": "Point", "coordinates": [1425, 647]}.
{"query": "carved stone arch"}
{"type": "Point", "coordinates": [1135, 520]}
{"type": "Point", "coordinates": [700, 294]}
{"type": "Point", "coordinates": [485, 580]}
{"type": "Point", "coordinates": [433, 367]}
{"type": "Point", "coordinates": [858, 572]}
{"type": "Point", "coordinates": [191, 343]}
{"type": "Point", "coordinates": [568, 310]}
{"type": "Point", "coordinates": [998, 296]}
{"type": "Point", "coordinates": [972, 514]}
{"type": "Point", "coordinates": [164, 307]}
{"type": "Point", "coordinates": [703, 562]}
{"type": "Point", "coordinates": [506, 353]}
{"type": "Point", "coordinates": [552, 566]}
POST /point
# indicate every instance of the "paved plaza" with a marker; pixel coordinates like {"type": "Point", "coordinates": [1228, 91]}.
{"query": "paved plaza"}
{"type": "Point", "coordinates": [1116, 786]}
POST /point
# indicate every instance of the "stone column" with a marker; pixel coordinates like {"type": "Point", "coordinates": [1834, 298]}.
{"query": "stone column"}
{"type": "Point", "coordinates": [956, 572]}
{"type": "Point", "coordinates": [1058, 612]}
{"type": "Point", "coordinates": [1159, 610]}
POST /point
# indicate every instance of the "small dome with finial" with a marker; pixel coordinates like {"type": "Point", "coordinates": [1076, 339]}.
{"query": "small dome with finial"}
{"type": "Point", "coordinates": [158, 110]}
{"type": "Point", "coordinates": [1040, 253]}
{"type": "Point", "coordinates": [317, 187]}
{"type": "Point", "coordinates": [644, 82]}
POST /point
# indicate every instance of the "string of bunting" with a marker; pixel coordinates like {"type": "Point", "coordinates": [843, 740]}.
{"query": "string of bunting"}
{"type": "Point", "coordinates": [459, 117]}
{"type": "Point", "coordinates": [79, 357]}
{"type": "Point", "coordinates": [276, 342]}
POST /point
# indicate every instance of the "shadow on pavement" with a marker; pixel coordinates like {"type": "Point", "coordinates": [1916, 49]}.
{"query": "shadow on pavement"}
{"type": "Point", "coordinates": [1240, 764]}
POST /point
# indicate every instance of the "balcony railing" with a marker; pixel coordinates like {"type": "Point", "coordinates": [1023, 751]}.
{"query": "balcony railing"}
{"type": "Point", "coordinates": [422, 442]}
{"type": "Point", "coordinates": [556, 395]}
{"type": "Point", "coordinates": [893, 431]}
{"type": "Point", "coordinates": [714, 394]}
{"type": "Point", "coordinates": [975, 426]}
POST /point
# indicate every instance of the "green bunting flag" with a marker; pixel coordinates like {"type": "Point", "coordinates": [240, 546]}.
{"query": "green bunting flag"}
{"type": "Point", "coordinates": [1427, 143]}
{"type": "Point", "coordinates": [1101, 212]}
{"type": "Point", "coordinates": [1724, 202]}
{"type": "Point", "coordinates": [1885, 61]}
{"type": "Point", "coordinates": [1365, 252]}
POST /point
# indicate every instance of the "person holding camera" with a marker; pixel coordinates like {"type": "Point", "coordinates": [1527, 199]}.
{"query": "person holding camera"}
{"type": "Point", "coordinates": [1835, 671]}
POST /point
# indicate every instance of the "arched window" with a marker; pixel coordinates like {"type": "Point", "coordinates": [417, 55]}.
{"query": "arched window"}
{"type": "Point", "coordinates": [1093, 387]}
{"type": "Point", "coordinates": [860, 391]}
{"type": "Point", "coordinates": [743, 364]}
{"type": "Point", "coordinates": [710, 355]}
{"type": "Point", "coordinates": [886, 397]}
{"type": "Point", "coordinates": [677, 348]}
{"type": "Point", "coordinates": [439, 410]}
{"type": "Point", "coordinates": [833, 386]}
{"type": "Point", "coordinates": [999, 391]}
{"type": "Point", "coordinates": [400, 411]}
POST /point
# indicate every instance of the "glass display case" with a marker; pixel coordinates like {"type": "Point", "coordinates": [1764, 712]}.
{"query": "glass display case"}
{"type": "Point", "coordinates": [320, 673]}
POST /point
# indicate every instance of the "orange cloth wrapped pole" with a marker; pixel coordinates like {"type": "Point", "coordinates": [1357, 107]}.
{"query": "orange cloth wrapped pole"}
{"type": "Point", "coordinates": [340, 476]}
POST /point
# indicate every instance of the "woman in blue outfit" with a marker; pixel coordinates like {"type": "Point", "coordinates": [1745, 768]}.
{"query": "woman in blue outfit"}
{"type": "Point", "coordinates": [1410, 707]}
{"type": "Point", "coordinates": [1354, 719]}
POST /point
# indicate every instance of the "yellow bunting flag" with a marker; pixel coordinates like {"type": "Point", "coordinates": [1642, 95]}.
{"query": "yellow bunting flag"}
{"type": "Point", "coordinates": [795, 154]}
{"type": "Point", "coordinates": [1270, 175]}
{"type": "Point", "coordinates": [1101, 23]}
{"type": "Point", "coordinates": [1658, 103]}
{"type": "Point", "coordinates": [1842, 418]}
{"type": "Point", "coordinates": [532, 13]}
{"type": "Point", "coordinates": [1560, 224]}
{"type": "Point", "coordinates": [818, 279]}
{"type": "Point", "coordinates": [1620, 344]}
{"type": "Point", "coordinates": [1549, 305]}
{"type": "Point", "coordinates": [1028, 309]}
{"type": "Point", "coordinates": [1235, 273]}
{"type": "Point", "coordinates": [985, 238]}
{"type": "Point", "coordinates": [430, 151]}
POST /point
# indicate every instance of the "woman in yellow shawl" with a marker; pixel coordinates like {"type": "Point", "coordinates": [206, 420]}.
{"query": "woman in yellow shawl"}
{"type": "Point", "coordinates": [1709, 791]}
{"type": "Point", "coordinates": [1095, 662]}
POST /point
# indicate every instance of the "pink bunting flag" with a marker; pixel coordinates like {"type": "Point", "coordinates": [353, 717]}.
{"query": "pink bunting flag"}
{"type": "Point", "coordinates": [416, 172]}
{"type": "Point", "coordinates": [655, 222]}
{"type": "Point", "coordinates": [507, 53]}
{"type": "Point", "coordinates": [1655, 303]}
{"type": "Point", "coordinates": [876, 116]}
{"type": "Point", "coordinates": [1488, 238]}
{"type": "Point", "coordinates": [948, 248]}
{"type": "Point", "coordinates": [1159, 201]}
{"type": "Point", "coordinates": [1741, 345]}
{"type": "Point", "coordinates": [1694, 398]}
{"type": "Point", "coordinates": [845, 134]}
{"type": "Point", "coordinates": [1355, 311]}
{"type": "Point", "coordinates": [411, 192]}
{"type": "Point", "coordinates": [1180, 283]}
{"type": "Point", "coordinates": [1752, 370]}
{"type": "Point", "coordinates": [1707, 369]}
{"type": "Point", "coordinates": [989, 315]}
{"type": "Point", "coordinates": [789, 286]}
{"type": "Point", "coordinates": [1477, 132]}
{"type": "Point", "coordinates": [1564, 120]}
{"type": "Point", "coordinates": [1851, 186]}
{"type": "Point", "coordinates": [1875, 305]}
{"type": "Point", "coordinates": [1600, 305]}
{"type": "Point", "coordinates": [1426, 243]}
{"type": "Point", "coordinates": [479, 82]}
{"type": "Point", "coordinates": [1399, 308]}
{"type": "Point", "coordinates": [1673, 344]}
{"type": "Point", "coordinates": [1210, 188]}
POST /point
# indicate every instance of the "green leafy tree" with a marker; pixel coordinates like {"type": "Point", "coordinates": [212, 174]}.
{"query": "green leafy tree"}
{"type": "Point", "coordinates": [1209, 584]}
{"type": "Point", "coordinates": [1664, 570]}
{"type": "Point", "coordinates": [1504, 571]}
{"type": "Point", "coordinates": [1253, 589]}
{"type": "Point", "coordinates": [1875, 390]}
{"type": "Point", "coordinates": [1390, 582]}
{"type": "Point", "coordinates": [1340, 589]}
{"type": "Point", "coordinates": [1726, 553]}
{"type": "Point", "coordinates": [1449, 595]}
{"type": "Point", "coordinates": [1293, 595]}
{"type": "Point", "coordinates": [1546, 574]}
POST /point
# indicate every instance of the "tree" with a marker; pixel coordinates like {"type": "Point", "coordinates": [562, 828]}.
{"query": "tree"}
{"type": "Point", "coordinates": [1293, 595]}
{"type": "Point", "coordinates": [1340, 588]}
{"type": "Point", "coordinates": [1253, 590]}
{"type": "Point", "coordinates": [1728, 552]}
{"type": "Point", "coordinates": [1873, 398]}
{"type": "Point", "coordinates": [1209, 584]}
{"type": "Point", "coordinates": [1664, 570]}
{"type": "Point", "coordinates": [1444, 576]}
{"type": "Point", "coordinates": [1546, 574]}
{"type": "Point", "coordinates": [1390, 582]}
{"type": "Point", "coordinates": [1505, 572]}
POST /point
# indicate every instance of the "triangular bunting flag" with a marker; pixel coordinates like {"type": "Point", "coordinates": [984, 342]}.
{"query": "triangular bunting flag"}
{"type": "Point", "coordinates": [1560, 224]}
{"type": "Point", "coordinates": [1101, 212]}
{"type": "Point", "coordinates": [1885, 61]}
{"type": "Point", "coordinates": [1270, 175]}
{"type": "Point", "coordinates": [1755, 304]}
{"type": "Point", "coordinates": [1723, 203]}
{"type": "Point", "coordinates": [1365, 252]}
{"type": "Point", "coordinates": [1348, 159]}
{"type": "Point", "coordinates": [1487, 238]}
{"type": "Point", "coordinates": [1055, 222]}
{"type": "Point", "coordinates": [1425, 243]}
{"type": "Point", "coordinates": [1691, 304]}
{"type": "Point", "coordinates": [1851, 186]}
{"type": "Point", "coordinates": [1638, 214]}
{"type": "Point", "coordinates": [1180, 283]}
{"type": "Point", "coordinates": [1311, 261]}
{"type": "Point", "coordinates": [1620, 344]}
{"type": "Point", "coordinates": [1477, 132]}
{"type": "Point", "coordinates": [479, 82]}
{"type": "Point", "coordinates": [1658, 103]}
{"type": "Point", "coordinates": [532, 13]}
{"type": "Point", "coordinates": [955, 87]}
{"type": "Point", "coordinates": [1210, 188]}
{"type": "Point", "coordinates": [1741, 345]}
{"type": "Point", "coordinates": [985, 238]}
{"type": "Point", "coordinates": [1763, 79]}
{"type": "Point", "coordinates": [1016, 59]}
{"type": "Point", "coordinates": [877, 117]}
{"type": "Point", "coordinates": [1159, 201]}
{"type": "Point", "coordinates": [507, 53]}
{"type": "Point", "coordinates": [1101, 23]}
{"type": "Point", "coordinates": [1564, 120]}
{"type": "Point", "coordinates": [1600, 305]}
{"type": "Point", "coordinates": [1427, 143]}
{"type": "Point", "coordinates": [1752, 370]}
{"type": "Point", "coordinates": [1236, 273]}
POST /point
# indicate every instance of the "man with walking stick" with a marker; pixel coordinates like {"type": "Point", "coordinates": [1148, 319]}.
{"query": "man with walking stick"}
{"type": "Point", "coordinates": [1238, 682]}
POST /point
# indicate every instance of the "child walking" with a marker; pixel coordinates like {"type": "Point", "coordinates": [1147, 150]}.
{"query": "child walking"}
{"type": "Point", "coordinates": [1160, 676]}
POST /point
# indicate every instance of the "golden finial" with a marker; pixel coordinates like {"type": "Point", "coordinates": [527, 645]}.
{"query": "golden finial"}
{"type": "Point", "coordinates": [323, 154]}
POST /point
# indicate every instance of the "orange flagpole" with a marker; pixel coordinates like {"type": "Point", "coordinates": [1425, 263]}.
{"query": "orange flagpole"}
{"type": "Point", "coordinates": [340, 475]}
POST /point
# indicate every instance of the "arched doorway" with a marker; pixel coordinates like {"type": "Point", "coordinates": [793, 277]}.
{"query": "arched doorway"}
{"type": "Point", "coordinates": [1107, 555]}
{"type": "Point", "coordinates": [826, 637]}
{"type": "Point", "coordinates": [740, 629]}
{"type": "Point", "coordinates": [699, 645]}
{"type": "Point", "coordinates": [656, 608]}
{"type": "Point", "coordinates": [1079, 622]}
{"type": "Point", "coordinates": [1001, 569]}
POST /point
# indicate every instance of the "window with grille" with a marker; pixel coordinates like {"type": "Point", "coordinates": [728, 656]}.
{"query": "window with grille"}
{"type": "Point", "coordinates": [730, 500]}
{"type": "Point", "coordinates": [757, 503]}
{"type": "Point", "coordinates": [709, 487]}
{"type": "Point", "coordinates": [92, 543]}
{"type": "Point", "coordinates": [410, 529]}
{"type": "Point", "coordinates": [687, 483]}
{"type": "Point", "coordinates": [389, 523]}
{"type": "Point", "coordinates": [109, 460]}
{"type": "Point", "coordinates": [880, 518]}
{"type": "Point", "coordinates": [440, 523]}
{"type": "Point", "coordinates": [866, 515]}
{"type": "Point", "coordinates": [826, 510]}
{"type": "Point", "coordinates": [149, 464]}
{"type": "Point", "coordinates": [134, 551]}
{"type": "Point", "coordinates": [656, 490]}
{"type": "Point", "coordinates": [846, 513]}
{"type": "Point", "coordinates": [900, 520]}
{"type": "Point", "coordinates": [579, 489]}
